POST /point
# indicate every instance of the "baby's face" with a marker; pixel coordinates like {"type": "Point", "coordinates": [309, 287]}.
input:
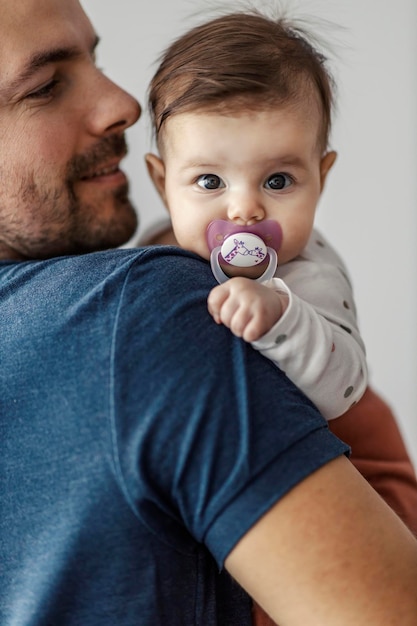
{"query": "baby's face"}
{"type": "Point", "coordinates": [243, 168]}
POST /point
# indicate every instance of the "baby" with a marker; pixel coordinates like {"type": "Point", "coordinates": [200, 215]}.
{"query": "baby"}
{"type": "Point", "coordinates": [241, 107]}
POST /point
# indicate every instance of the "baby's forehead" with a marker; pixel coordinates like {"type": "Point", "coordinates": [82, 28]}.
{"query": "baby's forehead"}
{"type": "Point", "coordinates": [304, 109]}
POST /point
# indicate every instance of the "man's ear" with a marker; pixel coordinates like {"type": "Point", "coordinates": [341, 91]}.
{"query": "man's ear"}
{"type": "Point", "coordinates": [326, 164]}
{"type": "Point", "coordinates": [156, 170]}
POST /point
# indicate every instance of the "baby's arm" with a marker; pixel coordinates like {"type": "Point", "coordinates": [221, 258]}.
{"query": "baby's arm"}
{"type": "Point", "coordinates": [247, 307]}
{"type": "Point", "coordinates": [317, 341]}
{"type": "Point", "coordinates": [306, 324]}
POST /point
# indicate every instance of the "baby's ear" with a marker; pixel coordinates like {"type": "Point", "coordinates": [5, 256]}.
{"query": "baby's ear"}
{"type": "Point", "coordinates": [326, 164]}
{"type": "Point", "coordinates": [156, 170]}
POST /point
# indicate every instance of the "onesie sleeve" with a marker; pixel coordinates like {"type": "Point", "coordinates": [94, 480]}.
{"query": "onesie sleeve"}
{"type": "Point", "coordinates": [208, 435]}
{"type": "Point", "coordinates": [317, 341]}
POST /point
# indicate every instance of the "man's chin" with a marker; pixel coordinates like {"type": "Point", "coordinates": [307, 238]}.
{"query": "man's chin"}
{"type": "Point", "coordinates": [118, 233]}
{"type": "Point", "coordinates": [106, 223]}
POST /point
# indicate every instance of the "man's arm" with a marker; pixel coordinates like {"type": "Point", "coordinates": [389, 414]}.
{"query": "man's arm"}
{"type": "Point", "coordinates": [330, 552]}
{"type": "Point", "coordinates": [380, 454]}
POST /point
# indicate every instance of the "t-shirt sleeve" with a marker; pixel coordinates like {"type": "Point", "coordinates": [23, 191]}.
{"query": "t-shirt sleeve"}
{"type": "Point", "coordinates": [208, 434]}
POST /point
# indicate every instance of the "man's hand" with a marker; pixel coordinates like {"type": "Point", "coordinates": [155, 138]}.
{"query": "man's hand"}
{"type": "Point", "coordinates": [247, 307]}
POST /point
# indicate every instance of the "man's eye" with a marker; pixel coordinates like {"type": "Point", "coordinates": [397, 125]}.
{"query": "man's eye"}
{"type": "Point", "coordinates": [44, 91]}
{"type": "Point", "coordinates": [210, 181]}
{"type": "Point", "coordinates": [278, 181]}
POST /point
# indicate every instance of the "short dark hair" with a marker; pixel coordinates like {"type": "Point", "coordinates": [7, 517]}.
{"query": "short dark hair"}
{"type": "Point", "coordinates": [244, 59]}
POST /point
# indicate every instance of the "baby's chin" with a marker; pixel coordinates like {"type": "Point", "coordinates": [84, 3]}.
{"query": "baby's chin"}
{"type": "Point", "coordinates": [285, 256]}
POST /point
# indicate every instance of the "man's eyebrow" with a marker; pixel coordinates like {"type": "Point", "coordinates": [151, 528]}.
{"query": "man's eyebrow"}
{"type": "Point", "coordinates": [43, 58]}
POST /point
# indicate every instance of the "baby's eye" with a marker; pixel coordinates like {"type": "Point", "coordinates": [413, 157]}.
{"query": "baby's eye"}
{"type": "Point", "coordinates": [278, 181]}
{"type": "Point", "coordinates": [210, 181]}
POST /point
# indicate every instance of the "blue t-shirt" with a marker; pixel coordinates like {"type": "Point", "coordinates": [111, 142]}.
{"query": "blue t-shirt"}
{"type": "Point", "coordinates": [139, 442]}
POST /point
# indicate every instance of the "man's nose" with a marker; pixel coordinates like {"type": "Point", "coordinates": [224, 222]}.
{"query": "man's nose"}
{"type": "Point", "coordinates": [114, 110]}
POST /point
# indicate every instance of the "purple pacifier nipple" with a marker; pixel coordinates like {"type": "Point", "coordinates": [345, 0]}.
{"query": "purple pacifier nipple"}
{"type": "Point", "coordinates": [243, 247]}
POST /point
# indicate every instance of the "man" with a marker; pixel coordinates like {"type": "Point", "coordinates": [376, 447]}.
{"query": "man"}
{"type": "Point", "coordinates": [132, 468]}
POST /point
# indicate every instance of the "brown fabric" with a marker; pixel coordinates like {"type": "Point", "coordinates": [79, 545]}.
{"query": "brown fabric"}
{"type": "Point", "coordinates": [379, 453]}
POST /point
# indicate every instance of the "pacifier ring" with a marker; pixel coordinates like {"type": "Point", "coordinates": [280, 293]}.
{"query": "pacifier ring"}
{"type": "Point", "coordinates": [221, 277]}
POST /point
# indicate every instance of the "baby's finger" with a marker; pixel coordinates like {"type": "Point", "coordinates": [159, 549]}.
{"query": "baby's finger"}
{"type": "Point", "coordinates": [242, 317]}
{"type": "Point", "coordinates": [217, 296]}
{"type": "Point", "coordinates": [228, 310]}
{"type": "Point", "coordinates": [254, 329]}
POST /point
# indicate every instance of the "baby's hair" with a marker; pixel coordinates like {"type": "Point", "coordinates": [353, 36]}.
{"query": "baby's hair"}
{"type": "Point", "coordinates": [242, 59]}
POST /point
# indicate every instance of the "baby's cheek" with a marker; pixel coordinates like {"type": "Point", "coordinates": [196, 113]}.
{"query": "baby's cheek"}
{"type": "Point", "coordinates": [193, 242]}
{"type": "Point", "coordinates": [293, 243]}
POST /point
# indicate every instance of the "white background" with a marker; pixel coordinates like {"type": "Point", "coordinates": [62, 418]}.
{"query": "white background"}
{"type": "Point", "coordinates": [369, 208]}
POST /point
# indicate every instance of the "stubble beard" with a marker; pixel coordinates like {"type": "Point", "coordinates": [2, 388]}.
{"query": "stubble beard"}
{"type": "Point", "coordinates": [89, 231]}
{"type": "Point", "coordinates": [53, 221]}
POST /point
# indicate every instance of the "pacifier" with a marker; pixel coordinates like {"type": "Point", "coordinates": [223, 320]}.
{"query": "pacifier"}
{"type": "Point", "coordinates": [243, 247]}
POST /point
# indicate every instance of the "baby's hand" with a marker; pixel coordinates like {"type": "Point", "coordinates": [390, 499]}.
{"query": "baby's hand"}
{"type": "Point", "coordinates": [245, 306]}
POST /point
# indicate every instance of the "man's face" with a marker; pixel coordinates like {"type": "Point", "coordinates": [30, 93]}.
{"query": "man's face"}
{"type": "Point", "coordinates": [61, 135]}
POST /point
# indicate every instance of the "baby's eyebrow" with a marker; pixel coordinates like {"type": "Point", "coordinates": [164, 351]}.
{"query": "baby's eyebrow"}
{"type": "Point", "coordinates": [291, 161]}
